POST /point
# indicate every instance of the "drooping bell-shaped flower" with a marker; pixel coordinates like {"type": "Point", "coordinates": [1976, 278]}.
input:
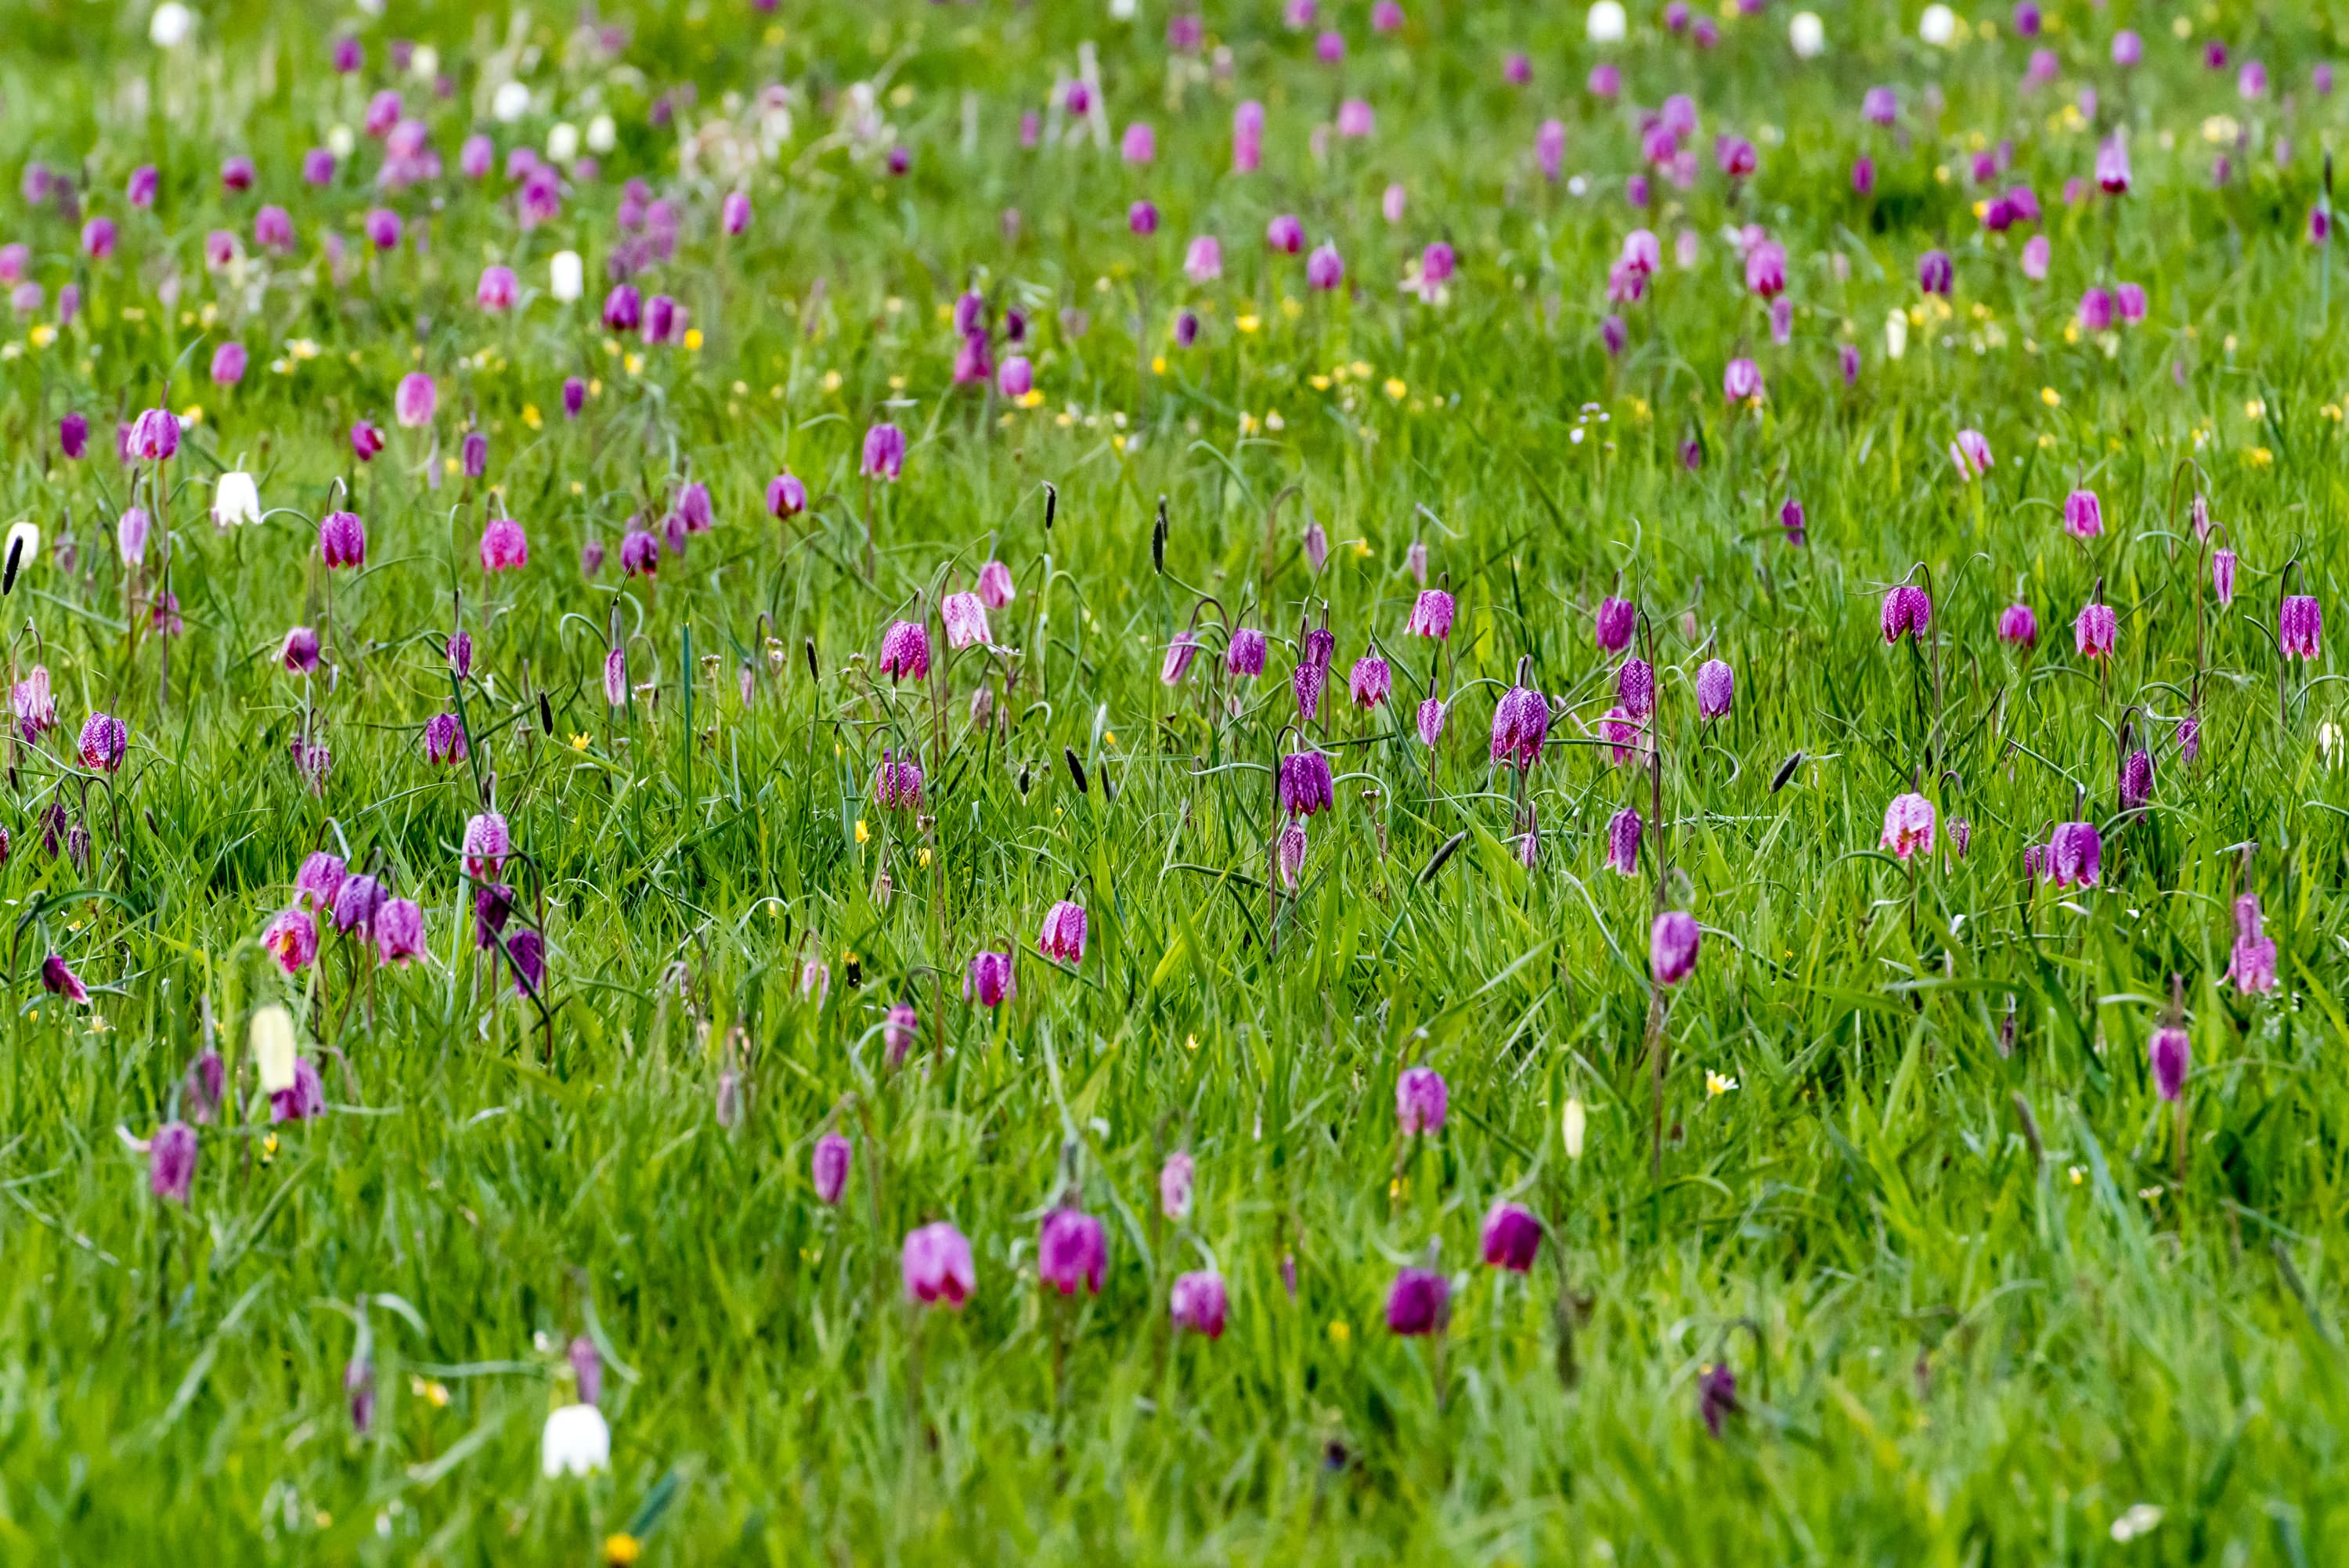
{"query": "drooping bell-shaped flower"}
{"type": "Point", "coordinates": [1064, 935]}
{"type": "Point", "coordinates": [342, 539]}
{"type": "Point", "coordinates": [171, 1161]}
{"type": "Point", "coordinates": [965, 618]}
{"type": "Point", "coordinates": [104, 742]}
{"type": "Point", "coordinates": [935, 1266]}
{"type": "Point", "coordinates": [1970, 453]}
{"type": "Point", "coordinates": [2084, 514]}
{"type": "Point", "coordinates": [1304, 783]}
{"type": "Point", "coordinates": [1370, 681]}
{"type": "Point", "coordinates": [885, 453]}
{"type": "Point", "coordinates": [1909, 826]}
{"type": "Point", "coordinates": [1520, 727]}
{"type": "Point", "coordinates": [1635, 687]}
{"type": "Point", "coordinates": [1431, 614]}
{"type": "Point", "coordinates": [486, 844]}
{"type": "Point", "coordinates": [58, 979]}
{"type": "Point", "coordinates": [1624, 842]}
{"type": "Point", "coordinates": [2253, 966]}
{"type": "Point", "coordinates": [2300, 626]}
{"type": "Point", "coordinates": [2075, 854]}
{"type": "Point", "coordinates": [828, 1167]}
{"type": "Point", "coordinates": [2017, 625]}
{"type": "Point", "coordinates": [400, 932]}
{"type": "Point", "coordinates": [2136, 780]}
{"type": "Point", "coordinates": [291, 939]}
{"type": "Point", "coordinates": [1174, 1184]}
{"type": "Point", "coordinates": [1908, 612]}
{"type": "Point", "coordinates": [991, 982]}
{"type": "Point", "coordinates": [1716, 689]}
{"type": "Point", "coordinates": [1511, 1237]}
{"type": "Point", "coordinates": [897, 781]}
{"type": "Point", "coordinates": [1418, 1303]}
{"type": "Point", "coordinates": [1672, 947]}
{"type": "Point", "coordinates": [906, 651]}
{"type": "Point", "coordinates": [1198, 1304]}
{"type": "Point", "coordinates": [1071, 1252]}
{"type": "Point", "coordinates": [2171, 1051]}
{"type": "Point", "coordinates": [1430, 721]}
{"type": "Point", "coordinates": [2094, 631]}
{"type": "Point", "coordinates": [1420, 1100]}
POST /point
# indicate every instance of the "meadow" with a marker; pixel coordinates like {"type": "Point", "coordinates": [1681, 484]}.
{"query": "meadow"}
{"type": "Point", "coordinates": [1295, 781]}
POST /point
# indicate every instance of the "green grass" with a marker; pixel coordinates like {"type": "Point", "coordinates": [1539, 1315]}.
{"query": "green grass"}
{"type": "Point", "coordinates": [1974, 1314]}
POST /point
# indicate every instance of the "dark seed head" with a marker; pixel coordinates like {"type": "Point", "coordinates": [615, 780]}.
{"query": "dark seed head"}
{"type": "Point", "coordinates": [1076, 768]}
{"type": "Point", "coordinates": [1785, 771]}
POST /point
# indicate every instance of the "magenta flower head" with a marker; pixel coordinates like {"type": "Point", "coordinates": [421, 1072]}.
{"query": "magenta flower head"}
{"type": "Point", "coordinates": [413, 401]}
{"type": "Point", "coordinates": [1174, 1179]}
{"type": "Point", "coordinates": [1512, 1236]}
{"type": "Point", "coordinates": [305, 1097]}
{"type": "Point", "coordinates": [476, 157]}
{"type": "Point", "coordinates": [2019, 626]}
{"type": "Point", "coordinates": [2300, 626]}
{"type": "Point", "coordinates": [2136, 780]}
{"type": "Point", "coordinates": [829, 1166]}
{"type": "Point", "coordinates": [171, 1161]}
{"type": "Point", "coordinates": [383, 227]}
{"type": "Point", "coordinates": [786, 496]}
{"type": "Point", "coordinates": [317, 166]}
{"type": "Point", "coordinates": [1245, 657]}
{"type": "Point", "coordinates": [498, 290]}
{"type": "Point", "coordinates": [1139, 144]}
{"type": "Point", "coordinates": [1323, 268]}
{"type": "Point", "coordinates": [504, 546]}
{"type": "Point", "coordinates": [1285, 234]}
{"type": "Point", "coordinates": [885, 453]}
{"type": "Point", "coordinates": [640, 554]}
{"type": "Point", "coordinates": [1177, 662]}
{"type": "Point", "coordinates": [299, 652]}
{"type": "Point", "coordinates": [1063, 936]}
{"type": "Point", "coordinates": [1908, 612]}
{"type": "Point", "coordinates": [2128, 48]}
{"type": "Point", "coordinates": [2084, 514]}
{"type": "Point", "coordinates": [1672, 947]}
{"type": "Point", "coordinates": [1716, 689]}
{"type": "Point", "coordinates": [1370, 681]}
{"type": "Point", "coordinates": [906, 651]}
{"type": "Point", "coordinates": [1909, 826]}
{"type": "Point", "coordinates": [356, 902]}
{"type": "Point", "coordinates": [486, 844]}
{"type": "Point", "coordinates": [1421, 1099]}
{"type": "Point", "coordinates": [897, 782]}
{"type": "Point", "coordinates": [1716, 1396]}
{"type": "Point", "coordinates": [1071, 1250]}
{"type": "Point", "coordinates": [58, 979]}
{"type": "Point", "coordinates": [320, 879]}
{"type": "Point", "coordinates": [342, 539]}
{"type": "Point", "coordinates": [2095, 314]}
{"type": "Point", "coordinates": [140, 190]}
{"type": "Point", "coordinates": [990, 981]}
{"type": "Point", "coordinates": [937, 1266]}
{"type": "Point", "coordinates": [365, 441]}
{"type": "Point", "coordinates": [291, 937]}
{"type": "Point", "coordinates": [2172, 1054]}
{"type": "Point", "coordinates": [73, 435]}
{"type": "Point", "coordinates": [444, 739]}
{"type": "Point", "coordinates": [1247, 136]}
{"type": "Point", "coordinates": [898, 1027]}
{"type": "Point", "coordinates": [1635, 687]}
{"type": "Point", "coordinates": [1612, 627]}
{"type": "Point", "coordinates": [2113, 167]}
{"type": "Point", "coordinates": [104, 742]}
{"type": "Point", "coordinates": [97, 239]}
{"type": "Point", "coordinates": [1141, 218]}
{"type": "Point", "coordinates": [1197, 1303]}
{"type": "Point", "coordinates": [624, 309]}
{"type": "Point", "coordinates": [2075, 854]}
{"type": "Point", "coordinates": [2129, 299]}
{"type": "Point", "coordinates": [1520, 727]}
{"type": "Point", "coordinates": [995, 588]}
{"type": "Point", "coordinates": [1935, 274]}
{"type": "Point", "coordinates": [1418, 1303]}
{"type": "Point", "coordinates": [734, 212]}
{"type": "Point", "coordinates": [1304, 783]}
{"type": "Point", "coordinates": [575, 397]}
{"type": "Point", "coordinates": [154, 436]}
{"type": "Point", "coordinates": [1740, 382]}
{"type": "Point", "coordinates": [399, 931]}
{"type": "Point", "coordinates": [1430, 721]}
{"type": "Point", "coordinates": [1766, 269]}
{"type": "Point", "coordinates": [2093, 631]}
{"type": "Point", "coordinates": [1971, 452]}
{"type": "Point", "coordinates": [1624, 842]}
{"type": "Point", "coordinates": [2254, 965]}
{"type": "Point", "coordinates": [1015, 377]}
{"type": "Point", "coordinates": [273, 230]}
{"type": "Point", "coordinates": [1431, 615]}
{"type": "Point", "coordinates": [965, 619]}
